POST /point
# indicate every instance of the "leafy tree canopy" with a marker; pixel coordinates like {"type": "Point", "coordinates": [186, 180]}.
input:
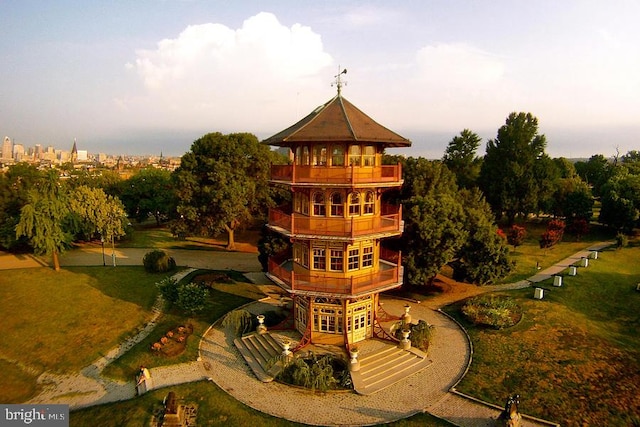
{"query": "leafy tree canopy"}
{"type": "Point", "coordinates": [508, 176]}
{"type": "Point", "coordinates": [149, 193]}
{"type": "Point", "coordinates": [460, 158]}
{"type": "Point", "coordinates": [221, 183]}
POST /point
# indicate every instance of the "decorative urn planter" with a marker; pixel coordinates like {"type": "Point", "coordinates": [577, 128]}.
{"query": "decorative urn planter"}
{"type": "Point", "coordinates": [405, 343]}
{"type": "Point", "coordinates": [261, 329]}
{"type": "Point", "coordinates": [406, 317]}
{"type": "Point", "coordinates": [354, 364]}
{"type": "Point", "coordinates": [286, 344]}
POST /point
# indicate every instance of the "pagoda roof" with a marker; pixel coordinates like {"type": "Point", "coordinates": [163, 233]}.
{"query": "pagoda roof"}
{"type": "Point", "coordinates": [337, 121]}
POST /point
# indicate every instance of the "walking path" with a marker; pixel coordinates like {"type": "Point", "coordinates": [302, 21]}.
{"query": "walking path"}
{"type": "Point", "coordinates": [430, 390]}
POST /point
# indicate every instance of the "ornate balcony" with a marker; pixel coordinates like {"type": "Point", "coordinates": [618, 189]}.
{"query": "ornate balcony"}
{"type": "Point", "coordinates": [356, 226]}
{"type": "Point", "coordinates": [388, 276]}
{"type": "Point", "coordinates": [336, 175]}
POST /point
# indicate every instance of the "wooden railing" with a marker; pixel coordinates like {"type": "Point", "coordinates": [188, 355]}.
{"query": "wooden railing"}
{"type": "Point", "coordinates": [337, 226]}
{"type": "Point", "coordinates": [297, 174]}
{"type": "Point", "coordinates": [324, 283]}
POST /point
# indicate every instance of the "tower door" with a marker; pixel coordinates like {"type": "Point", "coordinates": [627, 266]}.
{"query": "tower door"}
{"type": "Point", "coordinates": [359, 323]}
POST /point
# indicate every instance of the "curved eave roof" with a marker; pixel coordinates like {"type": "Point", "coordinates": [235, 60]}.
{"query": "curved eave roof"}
{"type": "Point", "coordinates": [340, 121]}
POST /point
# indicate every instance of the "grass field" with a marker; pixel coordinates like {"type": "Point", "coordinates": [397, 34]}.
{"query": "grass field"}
{"type": "Point", "coordinates": [574, 357]}
{"type": "Point", "coordinates": [62, 321]}
{"type": "Point", "coordinates": [529, 255]}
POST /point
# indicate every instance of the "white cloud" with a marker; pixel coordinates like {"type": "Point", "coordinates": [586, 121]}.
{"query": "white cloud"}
{"type": "Point", "coordinates": [224, 79]}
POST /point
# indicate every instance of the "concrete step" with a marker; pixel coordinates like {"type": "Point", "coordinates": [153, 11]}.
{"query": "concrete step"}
{"type": "Point", "coordinates": [385, 367]}
{"type": "Point", "coordinates": [261, 352]}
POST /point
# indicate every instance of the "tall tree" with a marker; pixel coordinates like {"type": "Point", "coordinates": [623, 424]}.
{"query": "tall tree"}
{"type": "Point", "coordinates": [595, 172]}
{"type": "Point", "coordinates": [221, 183]}
{"type": "Point", "coordinates": [484, 257]}
{"type": "Point", "coordinates": [15, 184]}
{"type": "Point", "coordinates": [96, 212]}
{"type": "Point", "coordinates": [44, 217]}
{"type": "Point", "coordinates": [434, 234]}
{"type": "Point", "coordinates": [508, 175]}
{"type": "Point", "coordinates": [149, 193]}
{"type": "Point", "coordinates": [461, 159]}
{"type": "Point", "coordinates": [621, 202]}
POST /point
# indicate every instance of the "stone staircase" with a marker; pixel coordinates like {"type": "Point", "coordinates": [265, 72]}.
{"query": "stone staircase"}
{"type": "Point", "coordinates": [262, 353]}
{"type": "Point", "coordinates": [386, 366]}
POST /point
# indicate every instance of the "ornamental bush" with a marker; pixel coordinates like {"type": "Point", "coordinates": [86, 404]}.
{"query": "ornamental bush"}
{"type": "Point", "coordinates": [158, 261]}
{"type": "Point", "coordinates": [491, 310]}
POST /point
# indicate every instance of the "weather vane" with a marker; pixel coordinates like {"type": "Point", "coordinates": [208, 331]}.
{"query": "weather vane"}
{"type": "Point", "coordinates": [339, 81]}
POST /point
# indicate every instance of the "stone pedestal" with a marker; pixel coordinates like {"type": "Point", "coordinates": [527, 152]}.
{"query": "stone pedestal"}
{"type": "Point", "coordinates": [573, 270]}
{"type": "Point", "coordinates": [557, 280]}
{"type": "Point", "coordinates": [593, 255]}
{"type": "Point", "coordinates": [538, 293]}
{"type": "Point", "coordinates": [584, 262]}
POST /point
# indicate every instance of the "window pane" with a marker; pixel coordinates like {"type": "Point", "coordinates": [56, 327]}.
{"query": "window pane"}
{"type": "Point", "coordinates": [354, 204]}
{"type": "Point", "coordinates": [319, 208]}
{"type": "Point", "coordinates": [337, 208]}
{"type": "Point", "coordinates": [354, 259]}
{"type": "Point", "coordinates": [369, 202]}
{"type": "Point", "coordinates": [319, 261]}
{"type": "Point", "coordinates": [336, 260]}
{"type": "Point", "coordinates": [337, 155]}
{"type": "Point", "coordinates": [369, 155]}
{"type": "Point", "coordinates": [367, 257]}
{"type": "Point", "coordinates": [320, 155]}
{"type": "Point", "coordinates": [354, 155]}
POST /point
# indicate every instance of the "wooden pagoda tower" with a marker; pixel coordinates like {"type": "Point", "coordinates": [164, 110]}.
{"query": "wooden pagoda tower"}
{"type": "Point", "coordinates": [336, 267]}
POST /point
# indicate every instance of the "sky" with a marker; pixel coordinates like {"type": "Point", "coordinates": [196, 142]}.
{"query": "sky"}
{"type": "Point", "coordinates": [150, 76]}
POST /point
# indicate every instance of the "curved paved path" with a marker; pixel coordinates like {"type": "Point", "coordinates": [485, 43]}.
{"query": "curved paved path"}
{"type": "Point", "coordinates": [449, 353]}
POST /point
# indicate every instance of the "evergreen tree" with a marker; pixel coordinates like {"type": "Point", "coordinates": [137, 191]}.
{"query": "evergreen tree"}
{"type": "Point", "coordinates": [508, 176]}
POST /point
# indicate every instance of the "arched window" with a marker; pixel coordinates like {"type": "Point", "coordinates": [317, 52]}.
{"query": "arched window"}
{"type": "Point", "coordinates": [337, 155]}
{"type": "Point", "coordinates": [320, 155]}
{"type": "Point", "coordinates": [354, 155]}
{"type": "Point", "coordinates": [354, 204]}
{"type": "Point", "coordinates": [369, 158]}
{"type": "Point", "coordinates": [369, 202]}
{"type": "Point", "coordinates": [337, 206]}
{"type": "Point", "coordinates": [319, 208]}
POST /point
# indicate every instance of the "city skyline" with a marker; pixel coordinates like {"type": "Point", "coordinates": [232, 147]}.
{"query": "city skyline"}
{"type": "Point", "coordinates": [153, 76]}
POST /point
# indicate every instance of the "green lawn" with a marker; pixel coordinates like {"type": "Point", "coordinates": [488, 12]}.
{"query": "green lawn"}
{"type": "Point", "coordinates": [575, 356]}
{"type": "Point", "coordinates": [529, 254]}
{"type": "Point", "coordinates": [64, 320]}
{"type": "Point", "coordinates": [223, 298]}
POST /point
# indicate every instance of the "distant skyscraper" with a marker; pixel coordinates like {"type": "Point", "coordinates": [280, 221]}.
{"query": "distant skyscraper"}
{"type": "Point", "coordinates": [18, 152]}
{"type": "Point", "coordinates": [7, 148]}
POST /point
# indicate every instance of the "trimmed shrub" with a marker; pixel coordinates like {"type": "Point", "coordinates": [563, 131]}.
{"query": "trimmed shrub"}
{"type": "Point", "coordinates": [158, 261]}
{"type": "Point", "coordinates": [491, 310]}
{"type": "Point", "coordinates": [192, 298]}
{"type": "Point", "coordinates": [239, 321]}
{"type": "Point", "coordinates": [169, 289]}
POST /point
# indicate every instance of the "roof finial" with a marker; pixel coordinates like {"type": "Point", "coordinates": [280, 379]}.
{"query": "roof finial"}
{"type": "Point", "coordinates": [338, 81]}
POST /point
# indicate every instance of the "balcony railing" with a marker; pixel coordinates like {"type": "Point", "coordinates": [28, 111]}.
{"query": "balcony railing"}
{"type": "Point", "coordinates": [296, 174]}
{"type": "Point", "coordinates": [355, 226]}
{"type": "Point", "coordinates": [388, 274]}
